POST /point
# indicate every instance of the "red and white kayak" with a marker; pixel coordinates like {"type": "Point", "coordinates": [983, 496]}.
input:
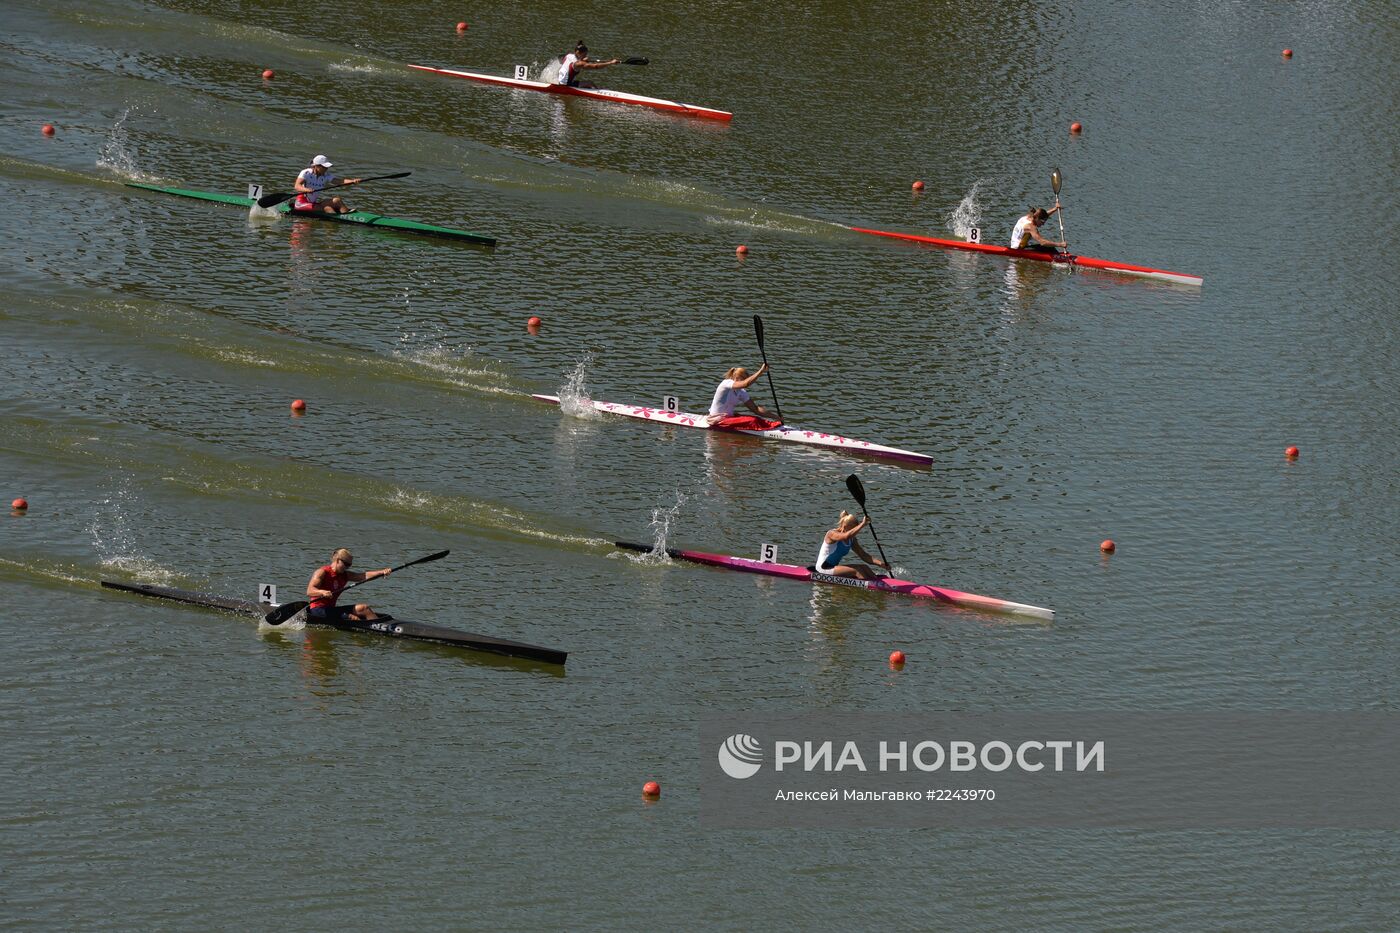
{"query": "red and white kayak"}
{"type": "Point", "coordinates": [593, 93]}
{"type": "Point", "coordinates": [882, 585]}
{"type": "Point", "coordinates": [783, 433]}
{"type": "Point", "coordinates": [1078, 262]}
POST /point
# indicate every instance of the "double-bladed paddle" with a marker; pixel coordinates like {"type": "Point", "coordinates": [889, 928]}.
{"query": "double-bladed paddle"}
{"type": "Point", "coordinates": [277, 197]}
{"type": "Point", "coordinates": [1055, 181]}
{"type": "Point", "coordinates": [285, 611]}
{"type": "Point", "coordinates": [858, 491]}
{"type": "Point", "coordinates": [758, 332]}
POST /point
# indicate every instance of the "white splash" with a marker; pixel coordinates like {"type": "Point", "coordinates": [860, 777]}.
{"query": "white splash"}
{"type": "Point", "coordinates": [968, 213]}
{"type": "Point", "coordinates": [116, 154]}
{"type": "Point", "coordinates": [573, 394]}
{"type": "Point", "coordinates": [115, 542]}
{"type": "Point", "coordinates": [663, 520]}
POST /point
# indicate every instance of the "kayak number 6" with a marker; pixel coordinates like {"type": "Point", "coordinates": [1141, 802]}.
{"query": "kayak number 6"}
{"type": "Point", "coordinates": [671, 403]}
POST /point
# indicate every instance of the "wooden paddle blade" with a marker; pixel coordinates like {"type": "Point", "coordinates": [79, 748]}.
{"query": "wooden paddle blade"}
{"type": "Point", "coordinates": [1056, 179]}
{"type": "Point", "coordinates": [282, 613]}
{"type": "Point", "coordinates": [857, 490]}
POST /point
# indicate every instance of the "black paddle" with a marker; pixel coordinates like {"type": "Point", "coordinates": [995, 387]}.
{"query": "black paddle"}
{"type": "Point", "coordinates": [285, 611]}
{"type": "Point", "coordinates": [277, 197]}
{"type": "Point", "coordinates": [1055, 181]}
{"type": "Point", "coordinates": [858, 491]}
{"type": "Point", "coordinates": [758, 332]}
{"type": "Point", "coordinates": [635, 61]}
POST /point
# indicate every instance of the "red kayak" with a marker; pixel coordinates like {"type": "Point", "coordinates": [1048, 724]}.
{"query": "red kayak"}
{"type": "Point", "coordinates": [1065, 259]}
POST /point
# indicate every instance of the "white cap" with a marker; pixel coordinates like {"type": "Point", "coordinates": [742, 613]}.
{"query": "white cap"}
{"type": "Point", "coordinates": [321, 160]}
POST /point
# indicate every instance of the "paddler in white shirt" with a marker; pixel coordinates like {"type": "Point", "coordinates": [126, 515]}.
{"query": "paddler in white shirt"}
{"type": "Point", "coordinates": [573, 65]}
{"type": "Point", "coordinates": [840, 541]}
{"type": "Point", "coordinates": [731, 393]}
{"type": "Point", "coordinates": [1027, 229]}
{"type": "Point", "coordinates": [309, 183]}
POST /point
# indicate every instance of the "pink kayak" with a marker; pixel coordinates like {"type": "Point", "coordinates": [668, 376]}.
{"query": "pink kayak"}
{"type": "Point", "coordinates": [882, 585]}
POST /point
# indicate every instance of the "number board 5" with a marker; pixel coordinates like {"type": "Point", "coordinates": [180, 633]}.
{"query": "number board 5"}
{"type": "Point", "coordinates": [768, 553]}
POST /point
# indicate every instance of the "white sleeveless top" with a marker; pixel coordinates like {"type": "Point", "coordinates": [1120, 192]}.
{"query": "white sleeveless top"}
{"type": "Point", "coordinates": [566, 69]}
{"type": "Point", "coordinates": [315, 182]}
{"type": "Point", "coordinates": [1020, 236]}
{"type": "Point", "coordinates": [727, 398]}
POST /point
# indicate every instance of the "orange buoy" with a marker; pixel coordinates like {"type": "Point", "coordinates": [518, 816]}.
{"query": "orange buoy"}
{"type": "Point", "coordinates": [298, 406]}
{"type": "Point", "coordinates": [461, 27]}
{"type": "Point", "coordinates": [1076, 128]}
{"type": "Point", "coordinates": [896, 658]}
{"type": "Point", "coordinates": [48, 129]}
{"type": "Point", "coordinates": [1107, 546]}
{"type": "Point", "coordinates": [20, 504]}
{"type": "Point", "coordinates": [917, 186]}
{"type": "Point", "coordinates": [1291, 453]}
{"type": "Point", "coordinates": [651, 790]}
{"type": "Point", "coordinates": [268, 74]}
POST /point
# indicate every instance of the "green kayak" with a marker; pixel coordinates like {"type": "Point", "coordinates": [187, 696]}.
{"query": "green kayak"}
{"type": "Point", "coordinates": [354, 217]}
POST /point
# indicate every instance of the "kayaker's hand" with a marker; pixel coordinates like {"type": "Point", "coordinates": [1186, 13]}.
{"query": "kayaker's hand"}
{"type": "Point", "coordinates": [386, 571]}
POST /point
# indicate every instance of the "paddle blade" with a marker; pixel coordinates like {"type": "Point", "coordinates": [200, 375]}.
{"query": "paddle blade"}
{"type": "Point", "coordinates": [277, 197]}
{"type": "Point", "coordinates": [282, 613]}
{"type": "Point", "coordinates": [1056, 179]}
{"type": "Point", "coordinates": [636, 61]}
{"type": "Point", "coordinates": [423, 560]}
{"type": "Point", "coordinates": [758, 329]}
{"type": "Point", "coordinates": [857, 490]}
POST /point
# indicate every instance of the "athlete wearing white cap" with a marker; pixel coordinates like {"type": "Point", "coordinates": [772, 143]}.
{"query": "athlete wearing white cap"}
{"type": "Point", "coordinates": [310, 182]}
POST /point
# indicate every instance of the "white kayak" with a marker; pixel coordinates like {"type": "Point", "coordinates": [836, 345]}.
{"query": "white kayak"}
{"type": "Point", "coordinates": [784, 433]}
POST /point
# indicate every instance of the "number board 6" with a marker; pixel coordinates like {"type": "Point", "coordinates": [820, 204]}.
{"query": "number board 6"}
{"type": "Point", "coordinates": [671, 403]}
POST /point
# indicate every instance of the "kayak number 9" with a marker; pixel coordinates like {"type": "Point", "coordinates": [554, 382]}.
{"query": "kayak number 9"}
{"type": "Point", "coordinates": [522, 72]}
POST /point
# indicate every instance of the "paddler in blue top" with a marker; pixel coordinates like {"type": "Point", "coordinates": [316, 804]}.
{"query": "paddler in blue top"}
{"type": "Point", "coordinates": [840, 541]}
{"type": "Point", "coordinates": [575, 62]}
{"type": "Point", "coordinates": [1028, 228]}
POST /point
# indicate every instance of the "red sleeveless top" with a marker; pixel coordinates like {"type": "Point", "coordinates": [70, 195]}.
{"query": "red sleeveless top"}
{"type": "Point", "coordinates": [333, 582]}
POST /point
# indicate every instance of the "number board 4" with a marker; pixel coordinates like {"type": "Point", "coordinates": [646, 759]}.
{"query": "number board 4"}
{"type": "Point", "coordinates": [267, 593]}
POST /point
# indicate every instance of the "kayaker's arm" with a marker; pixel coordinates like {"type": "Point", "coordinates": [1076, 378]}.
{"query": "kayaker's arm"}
{"type": "Point", "coordinates": [614, 61]}
{"type": "Point", "coordinates": [835, 535]}
{"type": "Point", "coordinates": [745, 383]}
{"type": "Point", "coordinates": [863, 554]}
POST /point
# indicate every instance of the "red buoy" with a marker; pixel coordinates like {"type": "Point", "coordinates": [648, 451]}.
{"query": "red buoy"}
{"type": "Point", "coordinates": [651, 790]}
{"type": "Point", "coordinates": [1107, 546]}
{"type": "Point", "coordinates": [1076, 128]}
{"type": "Point", "coordinates": [741, 250]}
{"type": "Point", "coordinates": [917, 186]}
{"type": "Point", "coordinates": [1291, 453]}
{"type": "Point", "coordinates": [533, 324]}
{"type": "Point", "coordinates": [268, 74]}
{"type": "Point", "coordinates": [48, 129]}
{"type": "Point", "coordinates": [298, 406]}
{"type": "Point", "coordinates": [1287, 53]}
{"type": "Point", "coordinates": [20, 504]}
{"type": "Point", "coordinates": [461, 27]}
{"type": "Point", "coordinates": [896, 658]}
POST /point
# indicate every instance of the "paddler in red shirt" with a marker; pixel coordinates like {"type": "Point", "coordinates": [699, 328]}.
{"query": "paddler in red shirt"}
{"type": "Point", "coordinates": [327, 582]}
